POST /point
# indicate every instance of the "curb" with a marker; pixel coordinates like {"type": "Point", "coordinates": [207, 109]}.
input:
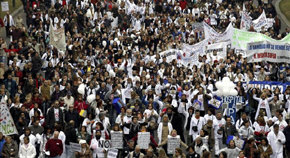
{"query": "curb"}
{"type": "Point", "coordinates": [281, 14]}
{"type": "Point", "coordinates": [17, 11]}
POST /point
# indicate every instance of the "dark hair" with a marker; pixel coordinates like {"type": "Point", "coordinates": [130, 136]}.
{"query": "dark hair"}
{"type": "Point", "coordinates": [266, 140]}
{"type": "Point", "coordinates": [206, 154]}
{"type": "Point", "coordinates": [26, 137]}
{"type": "Point", "coordinates": [276, 125]}
{"type": "Point", "coordinates": [224, 154]}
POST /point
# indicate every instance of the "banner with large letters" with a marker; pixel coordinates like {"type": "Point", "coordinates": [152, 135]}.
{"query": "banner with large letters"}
{"type": "Point", "coordinates": [272, 85]}
{"type": "Point", "coordinates": [241, 38]}
{"type": "Point", "coordinates": [277, 52]}
{"type": "Point", "coordinates": [231, 105]}
{"type": "Point", "coordinates": [220, 47]}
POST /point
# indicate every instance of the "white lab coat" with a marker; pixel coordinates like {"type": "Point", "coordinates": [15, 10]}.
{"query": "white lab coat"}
{"type": "Point", "coordinates": [159, 130]}
{"type": "Point", "coordinates": [11, 21]}
{"type": "Point", "coordinates": [275, 144]}
{"type": "Point", "coordinates": [32, 139]}
{"type": "Point", "coordinates": [263, 104]}
{"type": "Point", "coordinates": [27, 152]}
{"type": "Point", "coordinates": [96, 147]}
{"type": "Point", "coordinates": [196, 122]}
{"type": "Point", "coordinates": [62, 137]}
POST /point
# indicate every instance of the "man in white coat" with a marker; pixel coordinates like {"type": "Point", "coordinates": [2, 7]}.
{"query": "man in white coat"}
{"type": "Point", "coordinates": [8, 22]}
{"type": "Point", "coordinates": [276, 140]}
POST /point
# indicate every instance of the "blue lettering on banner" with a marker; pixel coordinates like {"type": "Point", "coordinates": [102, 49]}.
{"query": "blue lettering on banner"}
{"type": "Point", "coordinates": [232, 101]}
{"type": "Point", "coordinates": [272, 85]}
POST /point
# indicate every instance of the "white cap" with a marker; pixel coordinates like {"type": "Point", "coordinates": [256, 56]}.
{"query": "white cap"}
{"type": "Point", "coordinates": [82, 141]}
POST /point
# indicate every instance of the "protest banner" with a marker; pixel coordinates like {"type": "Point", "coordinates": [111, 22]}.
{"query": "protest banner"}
{"type": "Point", "coordinates": [240, 38]}
{"type": "Point", "coordinates": [260, 22]}
{"type": "Point", "coordinates": [57, 38]}
{"type": "Point", "coordinates": [172, 144]}
{"type": "Point", "coordinates": [193, 52]}
{"type": "Point", "coordinates": [220, 47]}
{"type": "Point", "coordinates": [7, 126]}
{"type": "Point", "coordinates": [117, 139]}
{"type": "Point", "coordinates": [143, 140]}
{"type": "Point", "coordinates": [246, 21]}
{"type": "Point", "coordinates": [197, 26]}
{"type": "Point", "coordinates": [112, 153]}
{"type": "Point", "coordinates": [277, 52]}
{"type": "Point", "coordinates": [272, 85]}
{"type": "Point", "coordinates": [75, 147]}
{"type": "Point", "coordinates": [213, 36]}
{"type": "Point", "coordinates": [169, 54]}
{"type": "Point", "coordinates": [231, 102]}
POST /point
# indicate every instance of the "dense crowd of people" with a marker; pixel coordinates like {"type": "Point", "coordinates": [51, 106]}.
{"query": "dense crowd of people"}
{"type": "Point", "coordinates": [113, 48]}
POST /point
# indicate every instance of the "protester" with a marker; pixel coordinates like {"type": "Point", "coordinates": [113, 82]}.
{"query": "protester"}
{"type": "Point", "coordinates": [26, 149]}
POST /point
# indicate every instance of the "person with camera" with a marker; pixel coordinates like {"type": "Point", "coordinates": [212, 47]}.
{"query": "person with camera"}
{"type": "Point", "coordinates": [196, 124]}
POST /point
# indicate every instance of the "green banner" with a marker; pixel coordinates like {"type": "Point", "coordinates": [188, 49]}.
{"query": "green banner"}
{"type": "Point", "coordinates": [242, 38]}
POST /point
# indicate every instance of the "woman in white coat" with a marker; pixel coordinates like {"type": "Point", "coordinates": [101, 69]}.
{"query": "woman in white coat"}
{"type": "Point", "coordinates": [276, 140]}
{"type": "Point", "coordinates": [263, 104]}
{"type": "Point", "coordinates": [164, 124]}
{"type": "Point", "coordinates": [27, 150]}
{"type": "Point", "coordinates": [196, 125]}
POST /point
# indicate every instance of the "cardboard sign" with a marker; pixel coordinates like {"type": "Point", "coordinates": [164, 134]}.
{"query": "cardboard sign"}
{"type": "Point", "coordinates": [117, 139]}
{"type": "Point", "coordinates": [4, 6]}
{"type": "Point", "coordinates": [112, 153]}
{"type": "Point", "coordinates": [75, 147]}
{"type": "Point", "coordinates": [172, 144]}
{"type": "Point", "coordinates": [143, 140]}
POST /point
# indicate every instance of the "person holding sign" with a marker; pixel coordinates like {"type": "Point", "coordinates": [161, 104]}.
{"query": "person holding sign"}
{"type": "Point", "coordinates": [172, 142]}
{"type": "Point", "coordinates": [144, 129]}
{"type": "Point", "coordinates": [203, 98]}
{"type": "Point", "coordinates": [85, 150]}
{"type": "Point", "coordinates": [98, 150]}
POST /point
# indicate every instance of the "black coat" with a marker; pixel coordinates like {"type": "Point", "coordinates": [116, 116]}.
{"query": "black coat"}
{"type": "Point", "coordinates": [71, 135]}
{"type": "Point", "coordinates": [51, 118]}
{"type": "Point", "coordinates": [72, 116]}
{"type": "Point", "coordinates": [286, 132]}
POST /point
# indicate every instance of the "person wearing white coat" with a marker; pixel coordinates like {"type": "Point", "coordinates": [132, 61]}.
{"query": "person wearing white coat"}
{"type": "Point", "coordinates": [26, 149]}
{"type": "Point", "coordinates": [196, 125]}
{"type": "Point", "coordinates": [263, 104]}
{"type": "Point", "coordinates": [8, 22]}
{"type": "Point", "coordinates": [161, 133]}
{"type": "Point", "coordinates": [276, 140]}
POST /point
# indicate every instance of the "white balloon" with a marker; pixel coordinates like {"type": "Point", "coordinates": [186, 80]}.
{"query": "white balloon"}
{"type": "Point", "coordinates": [218, 93]}
{"type": "Point", "coordinates": [91, 98]}
{"type": "Point", "coordinates": [81, 89]}
{"type": "Point", "coordinates": [218, 84]}
{"type": "Point", "coordinates": [226, 80]}
{"type": "Point", "coordinates": [234, 92]}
